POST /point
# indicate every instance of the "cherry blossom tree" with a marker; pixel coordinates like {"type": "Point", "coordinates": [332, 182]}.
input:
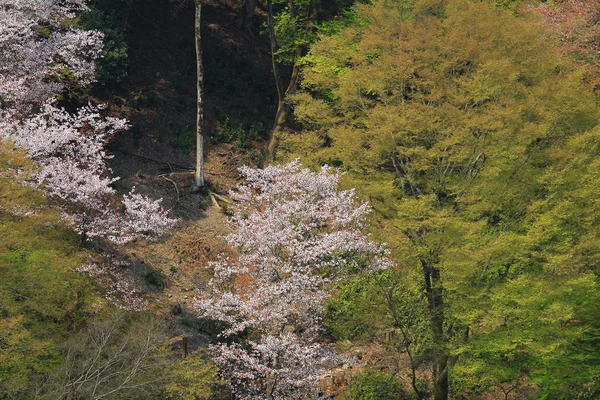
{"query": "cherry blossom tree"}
{"type": "Point", "coordinates": [40, 57]}
{"type": "Point", "coordinates": [296, 234]}
{"type": "Point", "coordinates": [36, 46]}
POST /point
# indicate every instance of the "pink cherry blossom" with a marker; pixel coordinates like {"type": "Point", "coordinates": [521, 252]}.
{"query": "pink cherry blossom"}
{"type": "Point", "coordinates": [35, 45]}
{"type": "Point", "coordinates": [37, 52]}
{"type": "Point", "coordinates": [296, 234]}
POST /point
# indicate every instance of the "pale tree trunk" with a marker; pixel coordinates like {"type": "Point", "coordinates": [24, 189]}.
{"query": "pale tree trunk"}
{"type": "Point", "coordinates": [199, 176]}
{"type": "Point", "coordinates": [283, 107]}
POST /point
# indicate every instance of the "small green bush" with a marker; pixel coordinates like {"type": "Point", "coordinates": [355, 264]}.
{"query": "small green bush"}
{"type": "Point", "coordinates": [377, 385]}
{"type": "Point", "coordinates": [155, 278]}
{"type": "Point", "coordinates": [230, 132]}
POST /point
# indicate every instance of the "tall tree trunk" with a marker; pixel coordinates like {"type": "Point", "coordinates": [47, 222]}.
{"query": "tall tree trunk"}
{"type": "Point", "coordinates": [278, 82]}
{"type": "Point", "coordinates": [247, 14]}
{"type": "Point", "coordinates": [433, 289]}
{"type": "Point", "coordinates": [283, 107]}
{"type": "Point", "coordinates": [273, 40]}
{"type": "Point", "coordinates": [199, 176]}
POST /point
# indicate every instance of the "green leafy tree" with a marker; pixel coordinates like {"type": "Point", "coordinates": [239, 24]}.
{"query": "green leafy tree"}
{"type": "Point", "coordinates": [292, 27]}
{"type": "Point", "coordinates": [449, 115]}
{"type": "Point", "coordinates": [290, 31]}
{"type": "Point", "coordinates": [194, 378]}
{"type": "Point", "coordinates": [388, 307]}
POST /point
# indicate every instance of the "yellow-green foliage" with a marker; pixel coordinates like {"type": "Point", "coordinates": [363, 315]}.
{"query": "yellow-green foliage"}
{"type": "Point", "coordinates": [473, 139]}
{"type": "Point", "coordinates": [423, 88]}
{"type": "Point", "coordinates": [40, 298]}
{"type": "Point", "coordinates": [448, 114]}
{"type": "Point", "coordinates": [194, 378]}
{"type": "Point", "coordinates": [376, 385]}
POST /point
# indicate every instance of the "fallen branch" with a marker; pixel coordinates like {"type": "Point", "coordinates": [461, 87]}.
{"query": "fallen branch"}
{"type": "Point", "coordinates": [214, 196]}
{"type": "Point", "coordinates": [223, 199]}
{"type": "Point", "coordinates": [214, 201]}
{"type": "Point", "coordinates": [169, 165]}
{"type": "Point", "coordinates": [174, 184]}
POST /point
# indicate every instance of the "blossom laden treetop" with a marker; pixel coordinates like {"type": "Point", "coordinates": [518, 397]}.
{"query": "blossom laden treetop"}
{"type": "Point", "coordinates": [296, 234]}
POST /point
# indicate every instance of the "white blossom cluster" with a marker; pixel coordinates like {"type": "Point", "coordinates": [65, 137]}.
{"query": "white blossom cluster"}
{"type": "Point", "coordinates": [38, 55]}
{"type": "Point", "coordinates": [279, 367]}
{"type": "Point", "coordinates": [69, 149]}
{"type": "Point", "coordinates": [35, 45]}
{"type": "Point", "coordinates": [296, 234]}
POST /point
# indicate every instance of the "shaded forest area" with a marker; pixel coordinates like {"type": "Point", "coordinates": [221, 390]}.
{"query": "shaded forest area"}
{"type": "Point", "coordinates": [154, 86]}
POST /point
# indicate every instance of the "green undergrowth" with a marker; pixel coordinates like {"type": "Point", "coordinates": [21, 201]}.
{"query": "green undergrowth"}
{"type": "Point", "coordinates": [41, 299]}
{"type": "Point", "coordinates": [53, 324]}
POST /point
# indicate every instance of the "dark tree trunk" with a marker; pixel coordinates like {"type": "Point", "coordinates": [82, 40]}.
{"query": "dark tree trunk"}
{"type": "Point", "coordinates": [283, 110]}
{"type": "Point", "coordinates": [279, 118]}
{"type": "Point", "coordinates": [283, 107]}
{"type": "Point", "coordinates": [247, 14]}
{"type": "Point", "coordinates": [433, 289]}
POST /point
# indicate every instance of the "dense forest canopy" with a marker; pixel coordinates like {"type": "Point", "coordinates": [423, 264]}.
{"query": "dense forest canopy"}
{"type": "Point", "coordinates": [216, 199]}
{"type": "Point", "coordinates": [455, 117]}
